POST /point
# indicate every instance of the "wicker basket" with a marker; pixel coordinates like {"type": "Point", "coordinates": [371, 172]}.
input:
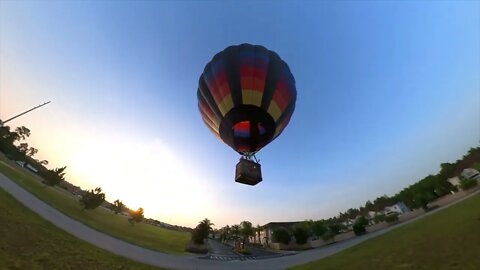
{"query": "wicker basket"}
{"type": "Point", "coordinates": [248, 172]}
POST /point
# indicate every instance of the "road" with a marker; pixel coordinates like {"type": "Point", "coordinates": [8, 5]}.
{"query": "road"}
{"type": "Point", "coordinates": [193, 262]}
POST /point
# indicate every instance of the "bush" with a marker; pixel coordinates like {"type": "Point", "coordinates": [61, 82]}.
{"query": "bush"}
{"type": "Point", "coordinates": [92, 199]}
{"type": "Point", "coordinates": [391, 218]}
{"type": "Point", "coordinates": [198, 235]}
{"type": "Point", "coordinates": [467, 184]}
{"type": "Point", "coordinates": [54, 177]}
{"type": "Point", "coordinates": [359, 226]}
{"type": "Point", "coordinates": [327, 236]}
{"type": "Point", "coordinates": [379, 218]}
{"type": "Point", "coordinates": [334, 228]}
{"type": "Point", "coordinates": [243, 251]}
{"type": "Point", "coordinates": [300, 234]}
{"type": "Point", "coordinates": [136, 216]}
{"type": "Point", "coordinates": [319, 228]}
{"type": "Point", "coordinates": [281, 235]}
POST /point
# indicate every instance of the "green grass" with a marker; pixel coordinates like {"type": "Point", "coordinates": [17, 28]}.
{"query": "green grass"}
{"type": "Point", "coordinates": [449, 239]}
{"type": "Point", "coordinates": [141, 234]}
{"type": "Point", "coordinates": [27, 241]}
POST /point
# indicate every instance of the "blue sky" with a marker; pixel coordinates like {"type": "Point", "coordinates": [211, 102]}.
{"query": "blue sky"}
{"type": "Point", "coordinates": [386, 92]}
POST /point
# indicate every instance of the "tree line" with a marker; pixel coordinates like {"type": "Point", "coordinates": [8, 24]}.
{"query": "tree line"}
{"type": "Point", "coordinates": [415, 196]}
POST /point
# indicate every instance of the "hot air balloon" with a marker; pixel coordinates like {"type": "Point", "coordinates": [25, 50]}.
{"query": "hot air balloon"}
{"type": "Point", "coordinates": [246, 97]}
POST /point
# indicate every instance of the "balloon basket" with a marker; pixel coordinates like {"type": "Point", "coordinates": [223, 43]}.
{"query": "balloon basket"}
{"type": "Point", "coordinates": [248, 172]}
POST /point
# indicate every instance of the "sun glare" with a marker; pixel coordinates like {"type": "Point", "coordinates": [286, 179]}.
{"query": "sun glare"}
{"type": "Point", "coordinates": [147, 175]}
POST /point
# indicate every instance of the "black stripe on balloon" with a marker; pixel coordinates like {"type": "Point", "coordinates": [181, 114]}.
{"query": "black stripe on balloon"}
{"type": "Point", "coordinates": [232, 68]}
{"type": "Point", "coordinates": [273, 73]}
{"type": "Point", "coordinates": [205, 94]}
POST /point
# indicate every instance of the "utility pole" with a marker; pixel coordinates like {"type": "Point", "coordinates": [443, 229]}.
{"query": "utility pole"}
{"type": "Point", "coordinates": [34, 108]}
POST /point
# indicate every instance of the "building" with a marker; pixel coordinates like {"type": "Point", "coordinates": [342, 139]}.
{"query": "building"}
{"type": "Point", "coordinates": [471, 173]}
{"type": "Point", "coordinates": [399, 208]}
{"type": "Point", "coordinates": [455, 181]}
{"type": "Point", "coordinates": [266, 234]}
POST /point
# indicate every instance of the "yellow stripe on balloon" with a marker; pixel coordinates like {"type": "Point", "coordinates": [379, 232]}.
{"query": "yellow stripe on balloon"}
{"type": "Point", "coordinates": [274, 110]}
{"type": "Point", "coordinates": [252, 97]}
{"type": "Point", "coordinates": [226, 104]}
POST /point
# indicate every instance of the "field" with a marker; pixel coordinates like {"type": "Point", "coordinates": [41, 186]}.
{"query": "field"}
{"type": "Point", "coordinates": [29, 242]}
{"type": "Point", "coordinates": [449, 239]}
{"type": "Point", "coordinates": [101, 219]}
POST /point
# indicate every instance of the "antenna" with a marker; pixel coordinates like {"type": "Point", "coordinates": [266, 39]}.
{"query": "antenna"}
{"type": "Point", "coordinates": [34, 108]}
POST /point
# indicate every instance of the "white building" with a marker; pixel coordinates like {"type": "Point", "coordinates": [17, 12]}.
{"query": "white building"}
{"type": "Point", "coordinates": [399, 208]}
{"type": "Point", "coordinates": [455, 181]}
{"type": "Point", "coordinates": [471, 173]}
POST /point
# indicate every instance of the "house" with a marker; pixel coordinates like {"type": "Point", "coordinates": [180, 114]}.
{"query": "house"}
{"type": "Point", "coordinates": [266, 234]}
{"type": "Point", "coordinates": [399, 208]}
{"type": "Point", "coordinates": [27, 166]}
{"type": "Point", "coordinates": [455, 181]}
{"type": "Point", "coordinates": [31, 168]}
{"type": "Point", "coordinates": [370, 216]}
{"type": "Point", "coordinates": [471, 173]}
{"type": "Point", "coordinates": [21, 163]}
{"type": "Point", "coordinates": [347, 224]}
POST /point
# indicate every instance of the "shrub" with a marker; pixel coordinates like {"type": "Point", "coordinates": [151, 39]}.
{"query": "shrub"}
{"type": "Point", "coordinates": [379, 218]}
{"type": "Point", "coordinates": [136, 216]}
{"type": "Point", "coordinates": [300, 234]}
{"type": "Point", "coordinates": [327, 236]}
{"type": "Point", "coordinates": [54, 177]}
{"type": "Point", "coordinates": [466, 184]}
{"type": "Point", "coordinates": [359, 226]}
{"type": "Point", "coordinates": [281, 235]}
{"type": "Point", "coordinates": [92, 199]}
{"type": "Point", "coordinates": [319, 228]}
{"type": "Point", "coordinates": [198, 235]}
{"type": "Point", "coordinates": [391, 218]}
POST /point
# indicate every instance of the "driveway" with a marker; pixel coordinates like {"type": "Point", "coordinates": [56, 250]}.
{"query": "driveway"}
{"type": "Point", "coordinates": [222, 252]}
{"type": "Point", "coordinates": [160, 259]}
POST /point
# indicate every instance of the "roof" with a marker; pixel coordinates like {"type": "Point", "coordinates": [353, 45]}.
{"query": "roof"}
{"type": "Point", "coordinates": [281, 224]}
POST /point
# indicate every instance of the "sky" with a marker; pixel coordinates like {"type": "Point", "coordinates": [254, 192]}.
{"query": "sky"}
{"type": "Point", "coordinates": [386, 91]}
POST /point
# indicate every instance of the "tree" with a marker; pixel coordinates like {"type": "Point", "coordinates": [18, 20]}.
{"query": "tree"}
{"type": "Point", "coordinates": [235, 233]}
{"type": "Point", "coordinates": [31, 151]}
{"type": "Point", "coordinates": [23, 148]}
{"type": "Point", "coordinates": [118, 206]}
{"type": "Point", "coordinates": [281, 235]}
{"type": "Point", "coordinates": [334, 228]}
{"type": "Point", "coordinates": [202, 230]}
{"type": "Point", "coordinates": [54, 177]}
{"type": "Point", "coordinates": [301, 234]}
{"type": "Point", "coordinates": [42, 162]}
{"type": "Point", "coordinates": [22, 133]}
{"type": "Point", "coordinates": [246, 230]}
{"type": "Point", "coordinates": [359, 226]}
{"type": "Point", "coordinates": [225, 233]}
{"type": "Point", "coordinates": [319, 228]}
{"type": "Point", "coordinates": [92, 199]}
{"type": "Point", "coordinates": [136, 216]}
{"type": "Point", "coordinates": [258, 231]}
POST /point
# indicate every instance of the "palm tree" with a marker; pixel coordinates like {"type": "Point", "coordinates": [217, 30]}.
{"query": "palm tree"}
{"type": "Point", "coordinates": [235, 233]}
{"type": "Point", "coordinates": [258, 230]}
{"type": "Point", "coordinates": [246, 230]}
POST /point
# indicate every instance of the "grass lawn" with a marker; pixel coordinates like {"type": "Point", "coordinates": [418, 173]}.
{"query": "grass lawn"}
{"type": "Point", "coordinates": [29, 242]}
{"type": "Point", "coordinates": [449, 239]}
{"type": "Point", "coordinates": [141, 234]}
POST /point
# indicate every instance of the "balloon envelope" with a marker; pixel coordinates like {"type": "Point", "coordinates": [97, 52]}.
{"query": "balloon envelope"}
{"type": "Point", "coordinates": [246, 96]}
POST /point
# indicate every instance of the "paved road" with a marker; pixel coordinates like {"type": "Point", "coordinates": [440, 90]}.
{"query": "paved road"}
{"type": "Point", "coordinates": [174, 261]}
{"type": "Point", "coordinates": [223, 252]}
